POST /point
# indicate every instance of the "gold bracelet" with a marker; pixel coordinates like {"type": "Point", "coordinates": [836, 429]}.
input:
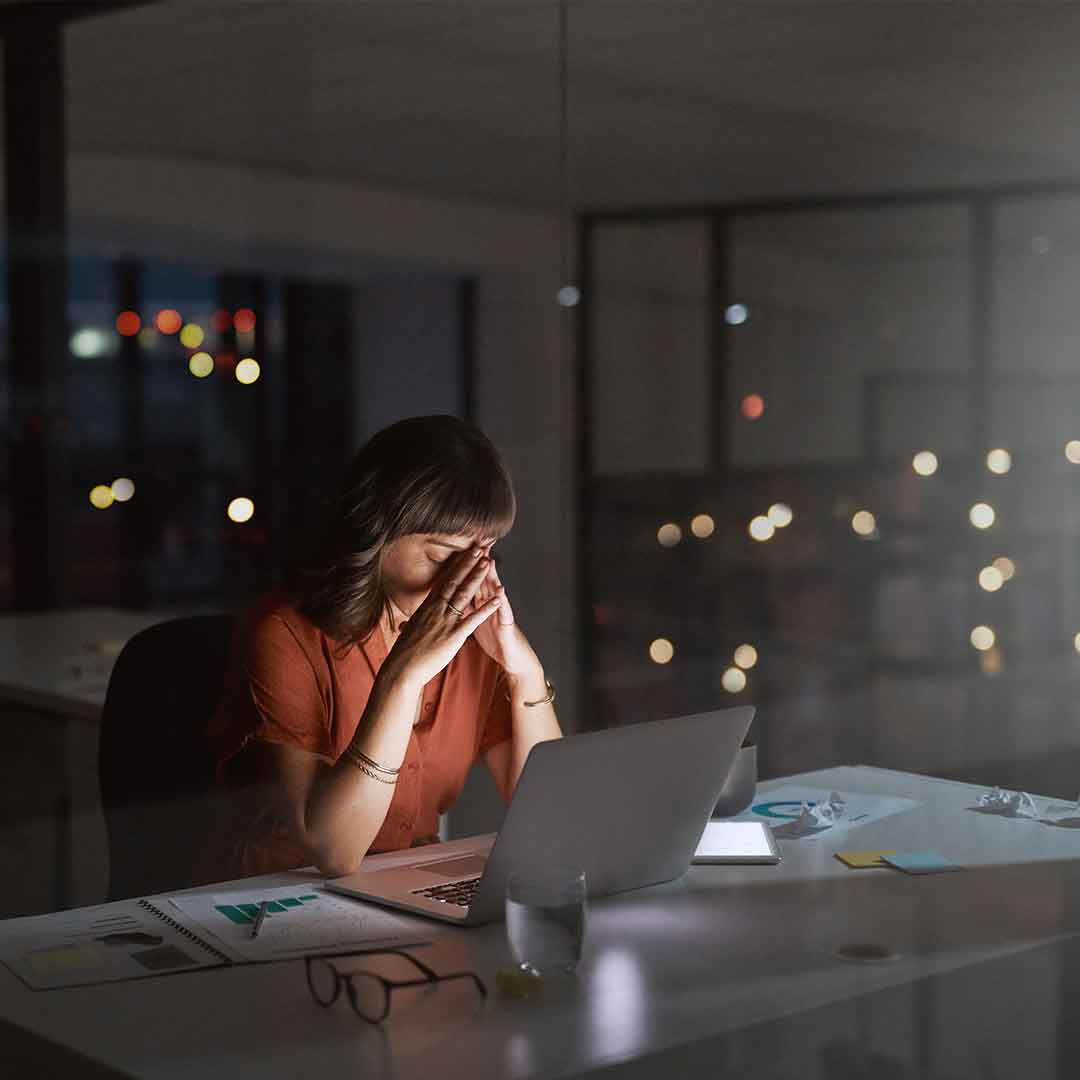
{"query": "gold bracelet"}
{"type": "Point", "coordinates": [359, 757]}
{"type": "Point", "coordinates": [543, 701]}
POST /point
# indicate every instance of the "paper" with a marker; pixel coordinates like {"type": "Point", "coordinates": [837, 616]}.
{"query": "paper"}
{"type": "Point", "coordinates": [920, 862]}
{"type": "Point", "coordinates": [1016, 804]}
{"type": "Point", "coordinates": [300, 918]}
{"type": "Point", "coordinates": [97, 944]}
{"type": "Point", "coordinates": [865, 860]}
{"type": "Point", "coordinates": [735, 842]}
{"type": "Point", "coordinates": [806, 813]}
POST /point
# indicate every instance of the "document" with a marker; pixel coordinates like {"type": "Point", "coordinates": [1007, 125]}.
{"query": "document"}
{"type": "Point", "coordinates": [783, 806]}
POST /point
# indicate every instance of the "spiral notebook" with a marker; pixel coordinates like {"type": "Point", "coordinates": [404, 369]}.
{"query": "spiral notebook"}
{"type": "Point", "coordinates": [134, 939]}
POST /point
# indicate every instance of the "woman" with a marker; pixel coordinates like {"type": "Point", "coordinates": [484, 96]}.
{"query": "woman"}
{"type": "Point", "coordinates": [360, 695]}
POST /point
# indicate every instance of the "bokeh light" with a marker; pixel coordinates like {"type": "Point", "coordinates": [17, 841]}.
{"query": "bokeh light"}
{"type": "Point", "coordinates": [991, 578]}
{"type": "Point", "coordinates": [1072, 451]}
{"type": "Point", "coordinates": [1076, 643]}
{"type": "Point", "coordinates": [780, 515]}
{"type": "Point", "coordinates": [999, 461]}
{"type": "Point", "coordinates": [247, 371]}
{"type": "Point", "coordinates": [244, 320]}
{"type": "Point", "coordinates": [569, 296]}
{"type": "Point", "coordinates": [761, 528]}
{"type": "Point", "coordinates": [220, 321]}
{"type": "Point", "coordinates": [122, 488]}
{"type": "Point", "coordinates": [241, 510]}
{"type": "Point", "coordinates": [746, 656]}
{"type": "Point", "coordinates": [101, 496]}
{"type": "Point", "coordinates": [148, 337]}
{"type": "Point", "coordinates": [668, 535]}
{"type": "Point", "coordinates": [702, 525]}
{"type": "Point", "coordinates": [753, 406]}
{"type": "Point", "coordinates": [864, 523]}
{"type": "Point", "coordinates": [168, 321]}
{"type": "Point", "coordinates": [925, 463]}
{"type": "Point", "coordinates": [192, 336]}
{"type": "Point", "coordinates": [733, 680]}
{"type": "Point", "coordinates": [982, 515]}
{"type": "Point", "coordinates": [201, 364]}
{"type": "Point", "coordinates": [128, 323]}
{"type": "Point", "coordinates": [983, 638]}
{"type": "Point", "coordinates": [1005, 566]}
{"type": "Point", "coordinates": [90, 341]}
{"type": "Point", "coordinates": [991, 661]}
{"type": "Point", "coordinates": [736, 314]}
{"type": "Point", "coordinates": [661, 651]}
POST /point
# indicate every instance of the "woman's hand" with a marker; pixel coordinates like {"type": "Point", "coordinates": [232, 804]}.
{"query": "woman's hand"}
{"type": "Point", "coordinates": [432, 635]}
{"type": "Point", "coordinates": [502, 639]}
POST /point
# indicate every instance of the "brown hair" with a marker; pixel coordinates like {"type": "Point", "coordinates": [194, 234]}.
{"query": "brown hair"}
{"type": "Point", "coordinates": [427, 474]}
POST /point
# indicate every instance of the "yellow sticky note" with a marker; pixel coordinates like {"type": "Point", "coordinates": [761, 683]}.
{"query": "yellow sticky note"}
{"type": "Point", "coordinates": [864, 860]}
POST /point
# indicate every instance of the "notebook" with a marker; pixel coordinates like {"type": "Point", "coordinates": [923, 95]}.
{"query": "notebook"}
{"type": "Point", "coordinates": [736, 842]}
{"type": "Point", "coordinates": [134, 939]}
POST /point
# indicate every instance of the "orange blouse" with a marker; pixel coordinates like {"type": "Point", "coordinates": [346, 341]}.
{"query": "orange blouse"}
{"type": "Point", "coordinates": [289, 683]}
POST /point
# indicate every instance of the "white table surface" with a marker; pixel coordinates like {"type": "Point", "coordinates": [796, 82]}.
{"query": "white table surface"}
{"type": "Point", "coordinates": [663, 969]}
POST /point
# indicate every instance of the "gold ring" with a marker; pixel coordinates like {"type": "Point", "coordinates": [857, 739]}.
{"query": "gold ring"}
{"type": "Point", "coordinates": [456, 611]}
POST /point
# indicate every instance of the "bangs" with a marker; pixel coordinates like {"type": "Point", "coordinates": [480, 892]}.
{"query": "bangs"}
{"type": "Point", "coordinates": [462, 504]}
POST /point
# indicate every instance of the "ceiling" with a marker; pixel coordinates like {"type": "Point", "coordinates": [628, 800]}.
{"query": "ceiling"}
{"type": "Point", "coordinates": [670, 102]}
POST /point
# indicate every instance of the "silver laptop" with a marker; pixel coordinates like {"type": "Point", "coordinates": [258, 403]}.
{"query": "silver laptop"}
{"type": "Point", "coordinates": [627, 804]}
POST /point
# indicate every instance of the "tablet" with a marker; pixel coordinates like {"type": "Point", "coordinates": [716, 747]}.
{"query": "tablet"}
{"type": "Point", "coordinates": [736, 842]}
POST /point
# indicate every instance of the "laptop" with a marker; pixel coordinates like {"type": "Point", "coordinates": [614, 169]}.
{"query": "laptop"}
{"type": "Point", "coordinates": [628, 805]}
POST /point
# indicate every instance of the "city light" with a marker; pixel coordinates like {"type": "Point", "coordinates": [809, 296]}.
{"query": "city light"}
{"type": "Point", "coordinates": [192, 336]}
{"type": "Point", "coordinates": [244, 320]}
{"type": "Point", "coordinates": [864, 523]}
{"type": "Point", "coordinates": [701, 525]}
{"type": "Point", "coordinates": [1072, 451]}
{"type": "Point", "coordinates": [168, 321]}
{"type": "Point", "coordinates": [661, 651]}
{"type": "Point", "coordinates": [753, 406]}
{"type": "Point", "coordinates": [122, 488]}
{"type": "Point", "coordinates": [983, 638]}
{"type": "Point", "coordinates": [982, 515]}
{"type": "Point", "coordinates": [101, 497]}
{"type": "Point", "coordinates": [201, 364]}
{"type": "Point", "coordinates": [780, 515]}
{"type": "Point", "coordinates": [736, 314]}
{"type": "Point", "coordinates": [999, 461]}
{"type": "Point", "coordinates": [220, 321]}
{"type": "Point", "coordinates": [89, 341]}
{"type": "Point", "coordinates": [128, 323]}
{"type": "Point", "coordinates": [746, 656]}
{"type": "Point", "coordinates": [733, 680]}
{"type": "Point", "coordinates": [761, 528]}
{"type": "Point", "coordinates": [991, 578]}
{"type": "Point", "coordinates": [1005, 566]}
{"type": "Point", "coordinates": [925, 463]}
{"type": "Point", "coordinates": [241, 510]}
{"type": "Point", "coordinates": [247, 371]}
{"type": "Point", "coordinates": [668, 535]}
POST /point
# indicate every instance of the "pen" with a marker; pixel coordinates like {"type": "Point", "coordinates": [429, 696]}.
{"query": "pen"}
{"type": "Point", "coordinates": [257, 925]}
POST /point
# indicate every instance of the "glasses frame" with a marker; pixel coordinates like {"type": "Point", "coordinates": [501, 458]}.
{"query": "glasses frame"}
{"type": "Point", "coordinates": [344, 979]}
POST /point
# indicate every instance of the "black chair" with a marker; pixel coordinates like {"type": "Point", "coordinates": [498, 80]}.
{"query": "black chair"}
{"type": "Point", "coordinates": [158, 790]}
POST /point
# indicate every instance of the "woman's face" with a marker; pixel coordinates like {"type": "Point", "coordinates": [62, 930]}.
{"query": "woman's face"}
{"type": "Point", "coordinates": [411, 563]}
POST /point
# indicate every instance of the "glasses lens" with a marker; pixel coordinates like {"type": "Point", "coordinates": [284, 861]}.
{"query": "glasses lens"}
{"type": "Point", "coordinates": [323, 981]}
{"type": "Point", "coordinates": [368, 995]}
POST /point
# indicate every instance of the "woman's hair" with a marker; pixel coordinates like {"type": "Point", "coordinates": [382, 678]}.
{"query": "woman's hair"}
{"type": "Point", "coordinates": [427, 474]}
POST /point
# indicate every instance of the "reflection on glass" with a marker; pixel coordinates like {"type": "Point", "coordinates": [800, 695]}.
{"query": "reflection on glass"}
{"type": "Point", "coordinates": [668, 535]}
{"type": "Point", "coordinates": [616, 1002]}
{"type": "Point", "coordinates": [247, 371]}
{"type": "Point", "coordinates": [201, 364]}
{"type": "Point", "coordinates": [753, 406]}
{"type": "Point", "coordinates": [241, 509]}
{"type": "Point", "coordinates": [702, 526]}
{"type": "Point", "coordinates": [122, 488]}
{"type": "Point", "coordinates": [661, 651]}
{"type": "Point", "coordinates": [999, 461]}
{"type": "Point", "coordinates": [101, 496]}
{"type": "Point", "coordinates": [991, 578]}
{"type": "Point", "coordinates": [982, 515]}
{"type": "Point", "coordinates": [1005, 566]}
{"type": "Point", "coordinates": [761, 528]}
{"type": "Point", "coordinates": [864, 523]}
{"type": "Point", "coordinates": [733, 680]}
{"type": "Point", "coordinates": [925, 463]}
{"type": "Point", "coordinates": [746, 656]}
{"type": "Point", "coordinates": [983, 638]}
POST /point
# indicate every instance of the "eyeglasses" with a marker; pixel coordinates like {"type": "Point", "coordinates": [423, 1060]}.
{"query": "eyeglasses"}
{"type": "Point", "coordinates": [368, 992]}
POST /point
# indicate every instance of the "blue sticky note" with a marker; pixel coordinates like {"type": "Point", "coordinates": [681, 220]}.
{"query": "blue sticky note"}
{"type": "Point", "coordinates": [919, 862]}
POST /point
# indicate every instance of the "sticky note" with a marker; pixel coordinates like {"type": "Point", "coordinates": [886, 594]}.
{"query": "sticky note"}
{"type": "Point", "coordinates": [864, 860]}
{"type": "Point", "coordinates": [920, 862]}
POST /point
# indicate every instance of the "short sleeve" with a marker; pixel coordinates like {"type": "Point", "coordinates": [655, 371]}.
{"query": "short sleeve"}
{"type": "Point", "coordinates": [287, 703]}
{"type": "Point", "coordinates": [498, 724]}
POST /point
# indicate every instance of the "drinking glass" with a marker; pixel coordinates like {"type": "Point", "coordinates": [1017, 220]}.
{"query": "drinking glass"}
{"type": "Point", "coordinates": [545, 918]}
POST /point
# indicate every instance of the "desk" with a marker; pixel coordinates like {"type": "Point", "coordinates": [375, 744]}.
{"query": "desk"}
{"type": "Point", "coordinates": [728, 968]}
{"type": "Point", "coordinates": [54, 670]}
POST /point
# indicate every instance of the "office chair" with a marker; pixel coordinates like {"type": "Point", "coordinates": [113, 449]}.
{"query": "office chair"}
{"type": "Point", "coordinates": [157, 780]}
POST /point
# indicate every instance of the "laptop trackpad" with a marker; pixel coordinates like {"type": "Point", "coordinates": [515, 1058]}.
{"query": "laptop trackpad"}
{"type": "Point", "coordinates": [467, 866]}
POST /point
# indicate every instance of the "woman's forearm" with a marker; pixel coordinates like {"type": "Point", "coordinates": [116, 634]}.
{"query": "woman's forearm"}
{"type": "Point", "coordinates": [531, 723]}
{"type": "Point", "coordinates": [347, 807]}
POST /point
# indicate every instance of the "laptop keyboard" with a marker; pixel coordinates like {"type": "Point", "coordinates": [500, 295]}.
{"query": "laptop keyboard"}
{"type": "Point", "coordinates": [459, 893]}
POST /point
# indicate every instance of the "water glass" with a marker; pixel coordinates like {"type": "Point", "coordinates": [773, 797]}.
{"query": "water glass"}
{"type": "Point", "coordinates": [545, 918]}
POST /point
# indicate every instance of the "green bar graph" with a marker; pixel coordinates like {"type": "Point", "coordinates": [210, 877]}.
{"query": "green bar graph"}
{"type": "Point", "coordinates": [243, 914]}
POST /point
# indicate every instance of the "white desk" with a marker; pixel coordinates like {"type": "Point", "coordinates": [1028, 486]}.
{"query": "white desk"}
{"type": "Point", "coordinates": [682, 970]}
